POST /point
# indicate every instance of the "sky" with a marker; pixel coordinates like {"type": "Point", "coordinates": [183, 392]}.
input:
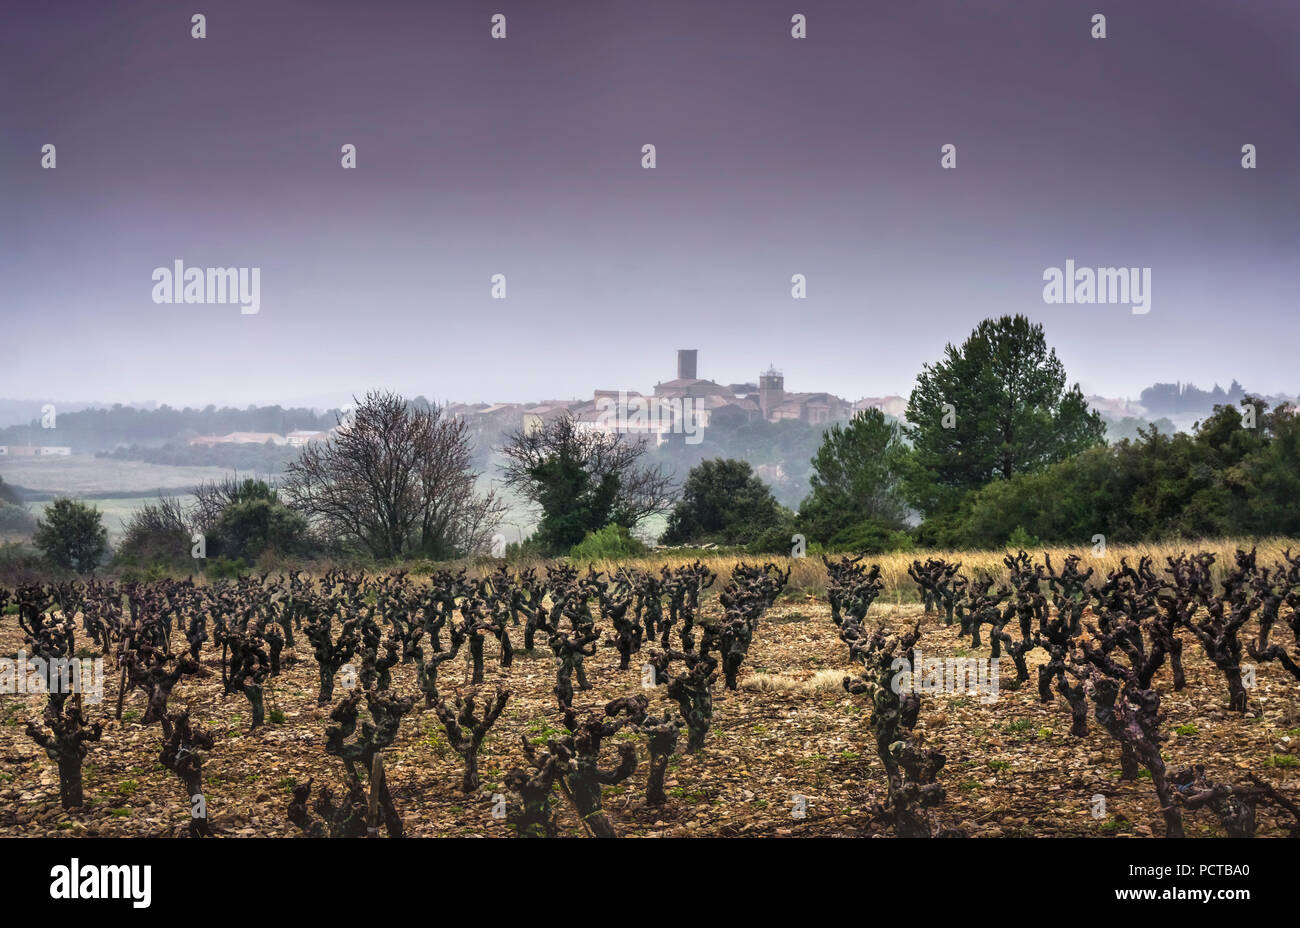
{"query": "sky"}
{"type": "Point", "coordinates": [522, 156]}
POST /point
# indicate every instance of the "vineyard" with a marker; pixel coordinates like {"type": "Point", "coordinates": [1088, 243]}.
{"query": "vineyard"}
{"type": "Point", "coordinates": [1144, 693]}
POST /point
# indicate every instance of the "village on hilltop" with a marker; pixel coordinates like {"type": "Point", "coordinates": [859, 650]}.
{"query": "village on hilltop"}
{"type": "Point", "coordinates": [712, 402]}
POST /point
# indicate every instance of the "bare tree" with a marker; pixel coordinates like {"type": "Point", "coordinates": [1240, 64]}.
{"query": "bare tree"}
{"type": "Point", "coordinates": [158, 531]}
{"type": "Point", "coordinates": [583, 479]}
{"type": "Point", "coordinates": [395, 478]}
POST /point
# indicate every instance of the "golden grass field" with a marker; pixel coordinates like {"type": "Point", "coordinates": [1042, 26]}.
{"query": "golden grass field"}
{"type": "Point", "coordinates": [807, 574]}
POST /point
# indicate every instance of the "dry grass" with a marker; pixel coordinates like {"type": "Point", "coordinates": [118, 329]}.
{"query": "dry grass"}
{"type": "Point", "coordinates": [823, 681]}
{"type": "Point", "coordinates": [808, 575]}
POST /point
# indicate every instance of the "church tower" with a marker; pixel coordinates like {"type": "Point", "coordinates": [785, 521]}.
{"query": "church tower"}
{"type": "Point", "coordinates": [771, 391]}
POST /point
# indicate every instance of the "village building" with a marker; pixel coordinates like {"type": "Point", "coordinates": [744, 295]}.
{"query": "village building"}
{"type": "Point", "coordinates": [535, 417]}
{"type": "Point", "coordinates": [34, 451]}
{"type": "Point", "coordinates": [240, 438]}
{"type": "Point", "coordinates": [677, 409]}
{"type": "Point", "coordinates": [301, 437]}
{"type": "Point", "coordinates": [745, 401]}
{"type": "Point", "coordinates": [895, 406]}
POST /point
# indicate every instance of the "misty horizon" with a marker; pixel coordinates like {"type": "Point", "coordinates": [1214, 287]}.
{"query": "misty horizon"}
{"type": "Point", "coordinates": [321, 403]}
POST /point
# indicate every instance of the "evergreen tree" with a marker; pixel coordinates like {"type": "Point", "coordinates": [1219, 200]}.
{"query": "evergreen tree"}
{"type": "Point", "coordinates": [857, 475]}
{"type": "Point", "coordinates": [70, 535]}
{"type": "Point", "coordinates": [723, 501]}
{"type": "Point", "coordinates": [995, 407]}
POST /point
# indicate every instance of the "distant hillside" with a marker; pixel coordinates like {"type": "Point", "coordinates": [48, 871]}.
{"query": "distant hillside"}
{"type": "Point", "coordinates": [23, 412]}
{"type": "Point", "coordinates": [1173, 406]}
{"type": "Point", "coordinates": [106, 428]}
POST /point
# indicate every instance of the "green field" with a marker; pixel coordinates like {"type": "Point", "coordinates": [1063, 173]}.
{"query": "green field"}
{"type": "Point", "coordinates": [116, 488]}
{"type": "Point", "coordinates": [115, 511]}
{"type": "Point", "coordinates": [86, 475]}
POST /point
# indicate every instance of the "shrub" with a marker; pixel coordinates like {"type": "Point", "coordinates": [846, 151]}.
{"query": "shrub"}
{"type": "Point", "coordinates": [610, 543]}
{"type": "Point", "coordinates": [19, 564]}
{"type": "Point", "coordinates": [157, 532]}
{"type": "Point", "coordinates": [870, 536]}
{"type": "Point", "coordinates": [16, 520]}
{"type": "Point", "coordinates": [779, 539]}
{"type": "Point", "coordinates": [253, 525]}
{"type": "Point", "coordinates": [1021, 539]}
{"type": "Point", "coordinates": [135, 573]}
{"type": "Point", "coordinates": [224, 568]}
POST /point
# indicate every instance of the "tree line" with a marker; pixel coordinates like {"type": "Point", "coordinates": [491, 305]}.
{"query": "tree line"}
{"type": "Point", "coordinates": [995, 449]}
{"type": "Point", "coordinates": [105, 428]}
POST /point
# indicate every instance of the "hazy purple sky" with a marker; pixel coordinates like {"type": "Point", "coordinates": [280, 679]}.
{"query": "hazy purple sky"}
{"type": "Point", "coordinates": [522, 157]}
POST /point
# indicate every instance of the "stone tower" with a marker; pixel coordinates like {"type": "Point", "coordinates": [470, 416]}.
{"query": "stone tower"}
{"type": "Point", "coordinates": [686, 363]}
{"type": "Point", "coordinates": [771, 391]}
